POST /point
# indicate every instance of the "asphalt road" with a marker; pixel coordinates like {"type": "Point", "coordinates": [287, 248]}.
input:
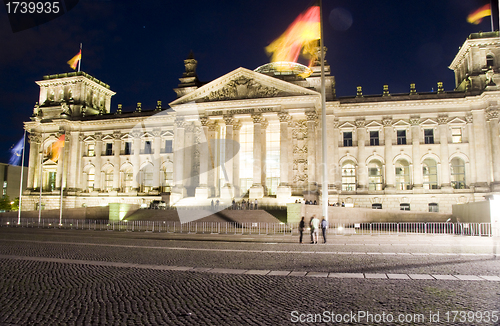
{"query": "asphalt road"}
{"type": "Point", "coordinates": [81, 277]}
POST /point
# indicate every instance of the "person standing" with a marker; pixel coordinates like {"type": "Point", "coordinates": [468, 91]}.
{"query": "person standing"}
{"type": "Point", "coordinates": [314, 229]}
{"type": "Point", "coordinates": [255, 206]}
{"type": "Point", "coordinates": [324, 226]}
{"type": "Point", "coordinates": [302, 225]}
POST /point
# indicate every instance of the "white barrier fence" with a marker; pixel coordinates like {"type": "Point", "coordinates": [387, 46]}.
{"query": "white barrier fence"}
{"type": "Point", "coordinates": [466, 229]}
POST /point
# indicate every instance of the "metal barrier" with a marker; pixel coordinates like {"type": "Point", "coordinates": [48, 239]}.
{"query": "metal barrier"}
{"type": "Point", "coordinates": [255, 228]}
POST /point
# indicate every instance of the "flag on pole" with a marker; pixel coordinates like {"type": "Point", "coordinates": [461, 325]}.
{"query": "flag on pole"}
{"type": "Point", "coordinates": [16, 152]}
{"type": "Point", "coordinates": [302, 34]}
{"type": "Point", "coordinates": [54, 150]}
{"type": "Point", "coordinates": [73, 63]}
{"type": "Point", "coordinates": [477, 16]}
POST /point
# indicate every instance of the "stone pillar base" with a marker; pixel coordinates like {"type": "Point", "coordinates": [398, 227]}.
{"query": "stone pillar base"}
{"type": "Point", "coordinates": [256, 191]}
{"type": "Point", "coordinates": [495, 187]}
{"type": "Point", "coordinates": [178, 192]}
{"type": "Point", "coordinates": [227, 191]}
{"type": "Point", "coordinates": [283, 194]}
{"type": "Point", "coordinates": [202, 192]}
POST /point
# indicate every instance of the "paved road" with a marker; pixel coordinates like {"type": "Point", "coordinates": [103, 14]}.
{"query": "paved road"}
{"type": "Point", "coordinates": [81, 277]}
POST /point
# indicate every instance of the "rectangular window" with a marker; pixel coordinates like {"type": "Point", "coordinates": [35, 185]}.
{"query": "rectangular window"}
{"type": "Point", "coordinates": [168, 146]}
{"type": "Point", "coordinates": [456, 135]}
{"type": "Point", "coordinates": [128, 148]}
{"type": "Point", "coordinates": [433, 207]}
{"type": "Point", "coordinates": [404, 207]}
{"type": "Point", "coordinates": [109, 149]}
{"type": "Point", "coordinates": [401, 137]}
{"type": "Point", "coordinates": [374, 140]}
{"type": "Point", "coordinates": [147, 147]}
{"type": "Point", "coordinates": [429, 136]}
{"type": "Point", "coordinates": [91, 150]}
{"type": "Point", "coordinates": [347, 138]}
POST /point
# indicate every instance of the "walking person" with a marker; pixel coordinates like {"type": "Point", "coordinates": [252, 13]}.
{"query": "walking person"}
{"type": "Point", "coordinates": [324, 226]}
{"type": "Point", "coordinates": [314, 230]}
{"type": "Point", "coordinates": [302, 225]}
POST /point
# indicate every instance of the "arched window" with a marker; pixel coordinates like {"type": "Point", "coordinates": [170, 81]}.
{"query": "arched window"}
{"type": "Point", "coordinates": [429, 171]}
{"type": "Point", "coordinates": [402, 175]}
{"type": "Point", "coordinates": [147, 178]}
{"type": "Point", "coordinates": [457, 173]}
{"type": "Point", "coordinates": [127, 178]}
{"type": "Point", "coordinates": [375, 179]}
{"type": "Point", "coordinates": [168, 176]}
{"type": "Point", "coordinates": [348, 176]}
{"type": "Point", "coordinates": [90, 179]}
{"type": "Point", "coordinates": [108, 179]}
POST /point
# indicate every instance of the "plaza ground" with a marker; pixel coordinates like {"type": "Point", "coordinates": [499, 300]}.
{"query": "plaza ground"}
{"type": "Point", "coordinates": [82, 277]}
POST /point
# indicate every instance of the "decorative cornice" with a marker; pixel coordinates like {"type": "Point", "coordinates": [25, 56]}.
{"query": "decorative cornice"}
{"type": "Point", "coordinates": [360, 123]}
{"type": "Point", "coordinates": [257, 118]}
{"type": "Point", "coordinates": [492, 114]}
{"type": "Point", "coordinates": [311, 116]}
{"type": "Point", "coordinates": [469, 118]}
{"type": "Point", "coordinates": [442, 120]}
{"type": "Point", "coordinates": [179, 122]}
{"type": "Point", "coordinates": [387, 122]}
{"type": "Point", "coordinates": [415, 121]}
{"type": "Point", "coordinates": [284, 116]}
{"type": "Point", "coordinates": [228, 120]}
{"type": "Point", "coordinates": [204, 121]}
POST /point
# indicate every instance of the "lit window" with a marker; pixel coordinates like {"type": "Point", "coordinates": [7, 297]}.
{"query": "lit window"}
{"type": "Point", "coordinates": [402, 175]}
{"type": "Point", "coordinates": [457, 173]}
{"type": "Point", "coordinates": [429, 171]}
{"type": "Point", "coordinates": [490, 61]}
{"type": "Point", "coordinates": [375, 175]}
{"type": "Point", "coordinates": [349, 176]}
{"type": "Point", "coordinates": [456, 135]}
{"type": "Point", "coordinates": [91, 150]}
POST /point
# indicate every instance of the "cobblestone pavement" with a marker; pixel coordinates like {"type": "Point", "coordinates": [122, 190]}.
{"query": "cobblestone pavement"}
{"type": "Point", "coordinates": [77, 277]}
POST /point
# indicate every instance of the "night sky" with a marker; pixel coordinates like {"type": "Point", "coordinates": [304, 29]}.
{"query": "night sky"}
{"type": "Point", "coordinates": [138, 47]}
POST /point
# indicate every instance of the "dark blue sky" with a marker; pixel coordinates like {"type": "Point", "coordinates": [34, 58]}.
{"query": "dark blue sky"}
{"type": "Point", "coordinates": [138, 47]}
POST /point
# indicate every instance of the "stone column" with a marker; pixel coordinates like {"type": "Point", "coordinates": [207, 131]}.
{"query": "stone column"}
{"type": "Point", "coordinates": [117, 142]}
{"type": "Point", "coordinates": [444, 153]}
{"type": "Point", "coordinates": [236, 159]}
{"type": "Point", "coordinates": [257, 191]}
{"type": "Point", "coordinates": [74, 143]}
{"type": "Point", "coordinates": [472, 149]}
{"type": "Point", "coordinates": [417, 165]}
{"type": "Point", "coordinates": [202, 191]}
{"type": "Point", "coordinates": [212, 159]}
{"type": "Point", "coordinates": [227, 189]}
{"type": "Point", "coordinates": [33, 162]}
{"type": "Point", "coordinates": [80, 180]}
{"type": "Point", "coordinates": [495, 147]}
{"type": "Point", "coordinates": [311, 150]}
{"type": "Point", "coordinates": [179, 191]}
{"type": "Point", "coordinates": [263, 158]}
{"type": "Point", "coordinates": [336, 173]}
{"type": "Point", "coordinates": [136, 162]}
{"type": "Point", "coordinates": [362, 171]}
{"type": "Point", "coordinates": [156, 159]}
{"type": "Point", "coordinates": [98, 163]}
{"type": "Point", "coordinates": [482, 170]}
{"type": "Point", "coordinates": [389, 166]}
{"type": "Point", "coordinates": [284, 190]}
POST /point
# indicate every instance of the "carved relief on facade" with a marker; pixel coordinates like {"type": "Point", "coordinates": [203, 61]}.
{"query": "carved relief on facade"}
{"type": "Point", "coordinates": [242, 88]}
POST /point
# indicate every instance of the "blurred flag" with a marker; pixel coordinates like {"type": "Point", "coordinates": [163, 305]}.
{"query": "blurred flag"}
{"type": "Point", "coordinates": [73, 63]}
{"type": "Point", "coordinates": [54, 151]}
{"type": "Point", "coordinates": [16, 152]}
{"type": "Point", "coordinates": [302, 34]}
{"type": "Point", "coordinates": [477, 16]}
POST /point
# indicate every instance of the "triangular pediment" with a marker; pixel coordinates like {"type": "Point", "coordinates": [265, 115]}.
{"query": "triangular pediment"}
{"type": "Point", "coordinates": [347, 125]}
{"type": "Point", "coordinates": [242, 84]}
{"type": "Point", "coordinates": [457, 121]}
{"type": "Point", "coordinates": [127, 137]}
{"type": "Point", "coordinates": [167, 133]}
{"type": "Point", "coordinates": [374, 125]}
{"type": "Point", "coordinates": [401, 124]}
{"type": "Point", "coordinates": [108, 137]}
{"type": "Point", "coordinates": [429, 123]}
{"type": "Point", "coordinates": [89, 139]}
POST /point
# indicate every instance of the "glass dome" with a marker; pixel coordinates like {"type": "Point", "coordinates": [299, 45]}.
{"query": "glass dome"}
{"type": "Point", "coordinates": [284, 69]}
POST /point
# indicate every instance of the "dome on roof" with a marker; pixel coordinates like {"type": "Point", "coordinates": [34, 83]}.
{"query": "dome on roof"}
{"type": "Point", "coordinates": [284, 69]}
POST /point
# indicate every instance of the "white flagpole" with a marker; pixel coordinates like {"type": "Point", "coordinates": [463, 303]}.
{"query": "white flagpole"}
{"type": "Point", "coordinates": [498, 15]}
{"type": "Point", "coordinates": [21, 181]}
{"type": "Point", "coordinates": [62, 179]}
{"type": "Point", "coordinates": [80, 61]}
{"type": "Point", "coordinates": [40, 183]}
{"type": "Point", "coordinates": [323, 117]}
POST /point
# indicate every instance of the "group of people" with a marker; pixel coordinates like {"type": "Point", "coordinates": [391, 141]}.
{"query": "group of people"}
{"type": "Point", "coordinates": [314, 225]}
{"type": "Point", "coordinates": [237, 205]}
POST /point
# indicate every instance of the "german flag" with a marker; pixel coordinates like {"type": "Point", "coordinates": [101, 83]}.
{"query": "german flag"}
{"type": "Point", "coordinates": [477, 16]}
{"type": "Point", "coordinates": [302, 34]}
{"type": "Point", "coordinates": [73, 63]}
{"type": "Point", "coordinates": [54, 151]}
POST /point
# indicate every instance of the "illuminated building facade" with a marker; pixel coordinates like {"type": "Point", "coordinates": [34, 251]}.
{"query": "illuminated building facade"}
{"type": "Point", "coordinates": [257, 133]}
